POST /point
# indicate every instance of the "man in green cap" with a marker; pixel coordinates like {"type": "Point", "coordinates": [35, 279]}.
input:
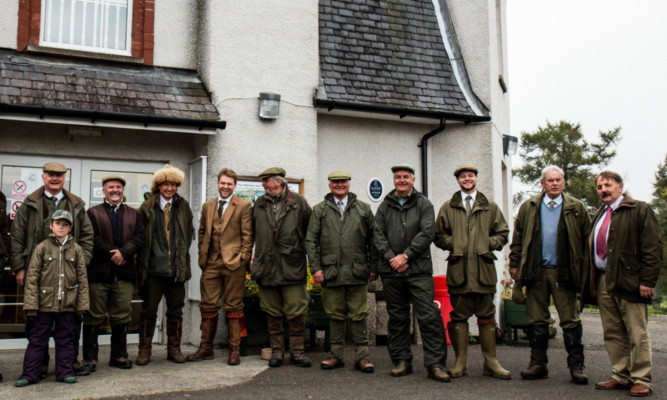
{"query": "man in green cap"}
{"type": "Point", "coordinates": [471, 227]}
{"type": "Point", "coordinates": [31, 226]}
{"type": "Point", "coordinates": [403, 236]}
{"type": "Point", "coordinates": [343, 258]}
{"type": "Point", "coordinates": [280, 219]}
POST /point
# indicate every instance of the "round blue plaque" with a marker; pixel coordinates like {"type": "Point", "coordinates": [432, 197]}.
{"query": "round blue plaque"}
{"type": "Point", "coordinates": [375, 189]}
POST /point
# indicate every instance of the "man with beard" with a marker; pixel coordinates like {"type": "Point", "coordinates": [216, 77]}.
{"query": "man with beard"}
{"type": "Point", "coordinates": [31, 226]}
{"type": "Point", "coordinates": [119, 235]}
{"type": "Point", "coordinates": [626, 258]}
{"type": "Point", "coordinates": [471, 227]}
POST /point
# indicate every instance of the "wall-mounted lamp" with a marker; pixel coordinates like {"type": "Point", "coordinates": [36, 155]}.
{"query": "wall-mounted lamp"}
{"type": "Point", "coordinates": [269, 105]}
{"type": "Point", "coordinates": [510, 145]}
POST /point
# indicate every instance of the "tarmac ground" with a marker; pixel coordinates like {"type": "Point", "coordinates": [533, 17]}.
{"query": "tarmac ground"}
{"type": "Point", "coordinates": [214, 379]}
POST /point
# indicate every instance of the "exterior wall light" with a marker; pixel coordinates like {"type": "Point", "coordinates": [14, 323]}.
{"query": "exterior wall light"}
{"type": "Point", "coordinates": [269, 105]}
{"type": "Point", "coordinates": [510, 145]}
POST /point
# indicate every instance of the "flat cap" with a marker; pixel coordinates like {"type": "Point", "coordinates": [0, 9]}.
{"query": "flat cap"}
{"type": "Point", "coordinates": [113, 178]}
{"type": "Point", "coordinates": [54, 167]}
{"type": "Point", "coordinates": [339, 175]}
{"type": "Point", "coordinates": [465, 167]}
{"type": "Point", "coordinates": [402, 167]}
{"type": "Point", "coordinates": [273, 171]}
{"type": "Point", "coordinates": [62, 214]}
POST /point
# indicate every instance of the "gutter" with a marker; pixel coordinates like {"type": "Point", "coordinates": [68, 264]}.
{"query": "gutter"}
{"type": "Point", "coordinates": [400, 111]}
{"type": "Point", "coordinates": [424, 146]}
{"type": "Point", "coordinates": [110, 116]}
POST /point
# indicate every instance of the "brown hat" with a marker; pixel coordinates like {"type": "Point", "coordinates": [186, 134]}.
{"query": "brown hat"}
{"type": "Point", "coordinates": [402, 167]}
{"type": "Point", "coordinates": [167, 174]}
{"type": "Point", "coordinates": [113, 178]}
{"type": "Point", "coordinates": [339, 175]}
{"type": "Point", "coordinates": [54, 167]}
{"type": "Point", "coordinates": [273, 171]}
{"type": "Point", "coordinates": [465, 167]}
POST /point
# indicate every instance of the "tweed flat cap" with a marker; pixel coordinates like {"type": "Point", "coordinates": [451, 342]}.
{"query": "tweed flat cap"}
{"type": "Point", "coordinates": [465, 167]}
{"type": "Point", "coordinates": [339, 175]}
{"type": "Point", "coordinates": [402, 167]}
{"type": "Point", "coordinates": [113, 178]}
{"type": "Point", "coordinates": [54, 167]}
{"type": "Point", "coordinates": [273, 171]}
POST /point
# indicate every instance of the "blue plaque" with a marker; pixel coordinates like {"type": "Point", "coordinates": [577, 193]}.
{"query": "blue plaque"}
{"type": "Point", "coordinates": [375, 189]}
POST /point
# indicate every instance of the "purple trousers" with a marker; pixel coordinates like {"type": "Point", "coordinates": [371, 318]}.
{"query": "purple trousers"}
{"type": "Point", "coordinates": [38, 344]}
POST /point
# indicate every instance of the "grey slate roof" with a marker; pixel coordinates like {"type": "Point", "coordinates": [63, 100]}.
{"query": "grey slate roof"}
{"type": "Point", "coordinates": [386, 53]}
{"type": "Point", "coordinates": [93, 85]}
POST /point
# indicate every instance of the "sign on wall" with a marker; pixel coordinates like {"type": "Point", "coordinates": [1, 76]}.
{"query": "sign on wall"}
{"type": "Point", "coordinates": [375, 189]}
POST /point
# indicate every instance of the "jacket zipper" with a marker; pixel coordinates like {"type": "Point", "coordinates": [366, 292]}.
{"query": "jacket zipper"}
{"type": "Point", "coordinates": [60, 273]}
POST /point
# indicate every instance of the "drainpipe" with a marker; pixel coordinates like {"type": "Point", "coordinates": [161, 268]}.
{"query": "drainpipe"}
{"type": "Point", "coordinates": [424, 146]}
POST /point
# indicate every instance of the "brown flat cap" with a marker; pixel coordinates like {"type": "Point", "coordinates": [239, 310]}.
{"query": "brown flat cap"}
{"type": "Point", "coordinates": [54, 167]}
{"type": "Point", "coordinates": [465, 167]}
{"type": "Point", "coordinates": [273, 171]}
{"type": "Point", "coordinates": [403, 167]}
{"type": "Point", "coordinates": [113, 178]}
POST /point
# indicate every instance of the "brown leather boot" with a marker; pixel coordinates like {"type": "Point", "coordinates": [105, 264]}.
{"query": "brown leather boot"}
{"type": "Point", "coordinates": [146, 330]}
{"type": "Point", "coordinates": [297, 328]}
{"type": "Point", "coordinates": [458, 334]}
{"type": "Point", "coordinates": [487, 338]}
{"type": "Point", "coordinates": [208, 328]}
{"type": "Point", "coordinates": [234, 327]}
{"type": "Point", "coordinates": [275, 328]}
{"type": "Point", "coordinates": [174, 330]}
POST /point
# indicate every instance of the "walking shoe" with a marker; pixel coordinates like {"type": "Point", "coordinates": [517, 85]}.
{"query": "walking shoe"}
{"type": "Point", "coordinates": [81, 369]}
{"type": "Point", "coordinates": [22, 383]}
{"type": "Point", "coordinates": [276, 359]}
{"type": "Point", "coordinates": [640, 390]}
{"type": "Point", "coordinates": [578, 375]}
{"type": "Point", "coordinates": [300, 360]}
{"type": "Point", "coordinates": [332, 362]}
{"type": "Point", "coordinates": [610, 384]}
{"type": "Point", "coordinates": [438, 374]}
{"type": "Point", "coordinates": [70, 379]}
{"type": "Point", "coordinates": [402, 368]}
{"type": "Point", "coordinates": [122, 363]}
{"type": "Point", "coordinates": [364, 365]}
{"type": "Point", "coordinates": [535, 372]}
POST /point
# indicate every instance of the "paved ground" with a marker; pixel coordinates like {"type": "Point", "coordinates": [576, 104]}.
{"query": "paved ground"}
{"type": "Point", "coordinates": [252, 380]}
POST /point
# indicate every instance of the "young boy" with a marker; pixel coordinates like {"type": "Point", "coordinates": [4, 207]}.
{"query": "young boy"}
{"type": "Point", "coordinates": [56, 288]}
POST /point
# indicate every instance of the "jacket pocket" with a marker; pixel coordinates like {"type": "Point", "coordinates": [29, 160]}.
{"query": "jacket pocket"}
{"type": "Point", "coordinates": [46, 297]}
{"type": "Point", "coordinates": [360, 271]}
{"type": "Point", "coordinates": [294, 266]}
{"type": "Point", "coordinates": [487, 269]}
{"type": "Point", "coordinates": [456, 274]}
{"type": "Point", "coordinates": [329, 267]}
{"type": "Point", "coordinates": [71, 293]}
{"type": "Point", "coordinates": [628, 273]}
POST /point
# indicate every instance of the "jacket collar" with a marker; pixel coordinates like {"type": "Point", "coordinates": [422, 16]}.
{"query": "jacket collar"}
{"type": "Point", "coordinates": [480, 200]}
{"type": "Point", "coordinates": [392, 198]}
{"type": "Point", "coordinates": [37, 195]}
{"type": "Point", "coordinates": [330, 198]}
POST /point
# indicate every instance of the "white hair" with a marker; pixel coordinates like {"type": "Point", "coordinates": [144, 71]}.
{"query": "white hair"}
{"type": "Point", "coordinates": [551, 168]}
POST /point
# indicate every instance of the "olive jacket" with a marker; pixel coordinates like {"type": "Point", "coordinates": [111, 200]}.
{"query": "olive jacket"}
{"type": "Point", "coordinates": [56, 280]}
{"type": "Point", "coordinates": [634, 252]}
{"type": "Point", "coordinates": [280, 253]}
{"type": "Point", "coordinates": [471, 263]}
{"type": "Point", "coordinates": [180, 241]}
{"type": "Point", "coordinates": [405, 229]}
{"type": "Point", "coordinates": [27, 228]}
{"type": "Point", "coordinates": [577, 223]}
{"type": "Point", "coordinates": [342, 246]}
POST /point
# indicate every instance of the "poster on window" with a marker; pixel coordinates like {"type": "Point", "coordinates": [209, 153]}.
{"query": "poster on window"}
{"type": "Point", "coordinates": [252, 190]}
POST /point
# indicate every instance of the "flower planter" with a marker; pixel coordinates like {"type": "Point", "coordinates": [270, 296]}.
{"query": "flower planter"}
{"type": "Point", "coordinates": [515, 317]}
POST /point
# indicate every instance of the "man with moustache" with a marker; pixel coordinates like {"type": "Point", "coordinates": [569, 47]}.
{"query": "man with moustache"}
{"type": "Point", "coordinates": [280, 220]}
{"type": "Point", "coordinates": [343, 258]}
{"type": "Point", "coordinates": [403, 235]}
{"type": "Point", "coordinates": [119, 236]}
{"type": "Point", "coordinates": [471, 227]}
{"type": "Point", "coordinates": [546, 256]}
{"type": "Point", "coordinates": [626, 258]}
{"type": "Point", "coordinates": [31, 226]}
{"type": "Point", "coordinates": [164, 262]}
{"type": "Point", "coordinates": [225, 248]}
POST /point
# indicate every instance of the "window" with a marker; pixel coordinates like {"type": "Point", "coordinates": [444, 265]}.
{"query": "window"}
{"type": "Point", "coordinates": [89, 25]}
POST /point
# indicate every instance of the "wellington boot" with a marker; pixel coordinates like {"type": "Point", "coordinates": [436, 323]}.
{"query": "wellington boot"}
{"type": "Point", "coordinates": [146, 330]}
{"type": "Point", "coordinates": [118, 357]}
{"type": "Point", "coordinates": [487, 338]}
{"type": "Point", "coordinates": [208, 328]}
{"type": "Point", "coordinates": [458, 334]}
{"type": "Point", "coordinates": [174, 330]}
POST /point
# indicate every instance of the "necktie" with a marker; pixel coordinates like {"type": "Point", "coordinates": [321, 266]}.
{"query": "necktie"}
{"type": "Point", "coordinates": [221, 207]}
{"type": "Point", "coordinates": [341, 208]}
{"type": "Point", "coordinates": [468, 208]}
{"type": "Point", "coordinates": [601, 240]}
{"type": "Point", "coordinates": [51, 204]}
{"type": "Point", "coordinates": [552, 204]}
{"type": "Point", "coordinates": [114, 217]}
{"type": "Point", "coordinates": [166, 222]}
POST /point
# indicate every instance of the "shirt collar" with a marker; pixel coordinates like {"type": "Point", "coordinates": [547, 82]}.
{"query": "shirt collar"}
{"type": "Point", "coordinates": [344, 201]}
{"type": "Point", "coordinates": [164, 202]}
{"type": "Point", "coordinates": [546, 199]}
{"type": "Point", "coordinates": [464, 195]}
{"type": "Point", "coordinates": [58, 196]}
{"type": "Point", "coordinates": [616, 203]}
{"type": "Point", "coordinates": [225, 199]}
{"type": "Point", "coordinates": [111, 205]}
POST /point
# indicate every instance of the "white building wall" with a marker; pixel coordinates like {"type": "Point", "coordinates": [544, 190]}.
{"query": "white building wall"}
{"type": "Point", "coordinates": [176, 25]}
{"type": "Point", "coordinates": [9, 20]}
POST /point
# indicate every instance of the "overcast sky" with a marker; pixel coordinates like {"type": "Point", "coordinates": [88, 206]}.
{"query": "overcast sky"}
{"type": "Point", "coordinates": [601, 63]}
